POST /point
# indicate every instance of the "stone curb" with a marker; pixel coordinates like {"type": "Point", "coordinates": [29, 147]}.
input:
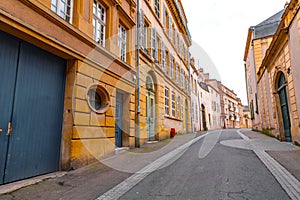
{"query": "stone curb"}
{"type": "Point", "coordinates": [287, 181]}
{"type": "Point", "coordinates": [10, 187]}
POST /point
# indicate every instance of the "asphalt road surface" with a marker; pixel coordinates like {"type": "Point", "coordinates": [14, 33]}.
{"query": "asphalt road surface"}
{"type": "Point", "coordinates": [224, 173]}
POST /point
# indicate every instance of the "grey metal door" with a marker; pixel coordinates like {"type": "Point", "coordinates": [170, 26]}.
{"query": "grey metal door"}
{"type": "Point", "coordinates": [34, 107]}
{"type": "Point", "coordinates": [150, 110]}
{"type": "Point", "coordinates": [284, 108]}
{"type": "Point", "coordinates": [119, 115]}
{"type": "Point", "coordinates": [8, 65]}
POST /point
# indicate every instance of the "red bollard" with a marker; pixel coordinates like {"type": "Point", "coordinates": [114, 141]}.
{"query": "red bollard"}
{"type": "Point", "coordinates": [172, 133]}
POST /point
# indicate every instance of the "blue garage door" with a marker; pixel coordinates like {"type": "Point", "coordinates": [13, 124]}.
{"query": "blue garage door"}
{"type": "Point", "coordinates": [31, 109]}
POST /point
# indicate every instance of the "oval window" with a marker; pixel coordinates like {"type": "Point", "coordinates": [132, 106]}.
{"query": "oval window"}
{"type": "Point", "coordinates": [98, 98]}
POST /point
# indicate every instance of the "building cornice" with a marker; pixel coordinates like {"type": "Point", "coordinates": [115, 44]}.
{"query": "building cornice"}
{"type": "Point", "coordinates": [280, 36]}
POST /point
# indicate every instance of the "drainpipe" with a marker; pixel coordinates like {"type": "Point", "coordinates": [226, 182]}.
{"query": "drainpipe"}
{"type": "Point", "coordinates": [199, 106]}
{"type": "Point", "coordinates": [137, 143]}
{"type": "Point", "coordinates": [246, 79]}
{"type": "Point", "coordinates": [189, 64]}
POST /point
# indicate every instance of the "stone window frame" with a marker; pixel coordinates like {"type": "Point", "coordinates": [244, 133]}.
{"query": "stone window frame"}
{"type": "Point", "coordinates": [122, 42]}
{"type": "Point", "coordinates": [173, 104]}
{"type": "Point", "coordinates": [104, 95]}
{"type": "Point", "coordinates": [99, 22]}
{"type": "Point", "coordinates": [66, 6]}
{"type": "Point", "coordinates": [167, 101]}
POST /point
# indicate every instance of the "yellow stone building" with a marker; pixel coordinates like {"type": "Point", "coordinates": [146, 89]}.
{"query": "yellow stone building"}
{"type": "Point", "coordinates": [164, 74]}
{"type": "Point", "coordinates": [277, 75]}
{"type": "Point", "coordinates": [69, 71]}
{"type": "Point", "coordinates": [258, 41]}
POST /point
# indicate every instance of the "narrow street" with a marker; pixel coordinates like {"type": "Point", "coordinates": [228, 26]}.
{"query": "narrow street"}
{"type": "Point", "coordinates": [220, 164]}
{"type": "Point", "coordinates": [226, 173]}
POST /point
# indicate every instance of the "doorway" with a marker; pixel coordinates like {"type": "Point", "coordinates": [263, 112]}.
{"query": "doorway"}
{"type": "Point", "coordinates": [284, 107]}
{"type": "Point", "coordinates": [203, 117]}
{"type": "Point", "coordinates": [150, 108]}
{"type": "Point", "coordinates": [119, 120]}
{"type": "Point", "coordinates": [31, 106]}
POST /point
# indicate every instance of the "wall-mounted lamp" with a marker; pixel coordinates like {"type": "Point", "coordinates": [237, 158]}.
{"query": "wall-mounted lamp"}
{"type": "Point", "coordinates": [133, 78]}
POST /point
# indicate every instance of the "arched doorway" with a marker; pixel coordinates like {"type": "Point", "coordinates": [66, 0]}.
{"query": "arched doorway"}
{"type": "Point", "coordinates": [203, 117]}
{"type": "Point", "coordinates": [284, 107]}
{"type": "Point", "coordinates": [150, 108]}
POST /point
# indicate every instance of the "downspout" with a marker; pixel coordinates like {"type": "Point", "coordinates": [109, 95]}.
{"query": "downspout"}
{"type": "Point", "coordinates": [199, 106]}
{"type": "Point", "coordinates": [246, 79]}
{"type": "Point", "coordinates": [254, 63]}
{"type": "Point", "coordinates": [137, 142]}
{"type": "Point", "coordinates": [189, 63]}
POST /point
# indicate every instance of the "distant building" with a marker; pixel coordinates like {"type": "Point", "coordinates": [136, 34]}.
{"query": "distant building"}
{"type": "Point", "coordinates": [245, 117]}
{"type": "Point", "coordinates": [231, 108]}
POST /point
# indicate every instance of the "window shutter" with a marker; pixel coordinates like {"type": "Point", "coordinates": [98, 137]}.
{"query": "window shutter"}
{"type": "Point", "coordinates": [151, 41]}
{"type": "Point", "coordinates": [164, 17]}
{"type": "Point", "coordinates": [141, 29]}
{"type": "Point", "coordinates": [170, 27]}
{"type": "Point", "coordinates": [162, 52]}
{"type": "Point", "coordinates": [156, 47]}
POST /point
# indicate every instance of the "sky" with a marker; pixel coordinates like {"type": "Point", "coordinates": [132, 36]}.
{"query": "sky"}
{"type": "Point", "coordinates": [219, 32]}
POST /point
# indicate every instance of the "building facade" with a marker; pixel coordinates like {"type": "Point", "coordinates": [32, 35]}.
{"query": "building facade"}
{"type": "Point", "coordinates": [73, 80]}
{"type": "Point", "coordinates": [214, 111]}
{"type": "Point", "coordinates": [278, 77]}
{"type": "Point", "coordinates": [280, 83]}
{"type": "Point", "coordinates": [164, 60]}
{"type": "Point", "coordinates": [245, 117]}
{"type": "Point", "coordinates": [258, 41]}
{"type": "Point", "coordinates": [231, 110]}
{"type": "Point", "coordinates": [196, 91]}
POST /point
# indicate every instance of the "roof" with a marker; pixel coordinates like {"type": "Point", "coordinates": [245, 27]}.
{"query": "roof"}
{"type": "Point", "coordinates": [267, 27]}
{"type": "Point", "coordinates": [203, 86]}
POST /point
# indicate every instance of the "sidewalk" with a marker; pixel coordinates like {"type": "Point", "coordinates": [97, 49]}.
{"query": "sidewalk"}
{"type": "Point", "coordinates": [94, 180]}
{"type": "Point", "coordinates": [287, 154]}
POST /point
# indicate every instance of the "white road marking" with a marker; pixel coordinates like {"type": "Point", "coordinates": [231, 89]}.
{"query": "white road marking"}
{"type": "Point", "coordinates": [208, 144]}
{"type": "Point", "coordinates": [123, 187]}
{"type": "Point", "coordinates": [288, 182]}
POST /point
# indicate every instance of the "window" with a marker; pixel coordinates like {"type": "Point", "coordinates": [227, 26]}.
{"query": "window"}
{"type": "Point", "coordinates": [170, 28]}
{"type": "Point", "coordinates": [176, 73]}
{"type": "Point", "coordinates": [252, 110]}
{"type": "Point", "coordinates": [143, 31]}
{"type": "Point", "coordinates": [187, 85]}
{"type": "Point", "coordinates": [196, 113]}
{"type": "Point", "coordinates": [176, 40]}
{"type": "Point", "coordinates": [178, 113]}
{"type": "Point", "coordinates": [154, 44]}
{"type": "Point", "coordinates": [98, 98]}
{"type": "Point", "coordinates": [122, 42]}
{"type": "Point", "coordinates": [192, 111]}
{"type": "Point", "coordinates": [164, 17]}
{"type": "Point", "coordinates": [157, 8]}
{"type": "Point", "coordinates": [166, 101]}
{"type": "Point", "coordinates": [173, 104]}
{"type": "Point", "coordinates": [181, 78]}
{"type": "Point", "coordinates": [99, 21]}
{"type": "Point", "coordinates": [171, 66]}
{"type": "Point", "coordinates": [63, 8]}
{"type": "Point", "coordinates": [256, 102]}
{"type": "Point", "coordinates": [145, 39]}
{"type": "Point", "coordinates": [163, 56]}
{"type": "Point", "coordinates": [182, 109]}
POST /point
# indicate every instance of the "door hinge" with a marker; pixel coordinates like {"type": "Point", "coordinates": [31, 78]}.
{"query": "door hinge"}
{"type": "Point", "coordinates": [9, 128]}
